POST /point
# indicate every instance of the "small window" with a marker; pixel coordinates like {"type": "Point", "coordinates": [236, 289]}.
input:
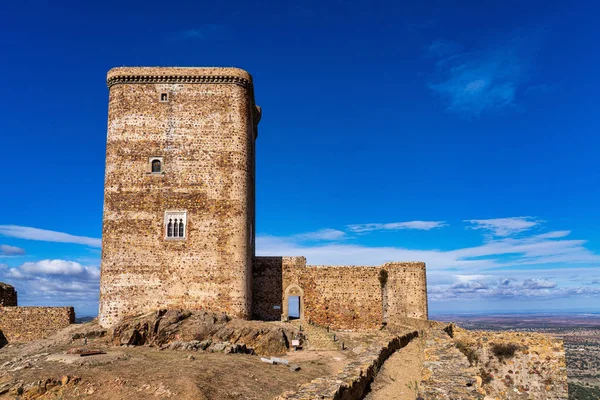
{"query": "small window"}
{"type": "Point", "coordinates": [175, 224]}
{"type": "Point", "coordinates": [164, 97]}
{"type": "Point", "coordinates": [156, 166]}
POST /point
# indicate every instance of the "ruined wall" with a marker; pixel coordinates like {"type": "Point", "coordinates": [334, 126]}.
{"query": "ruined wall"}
{"type": "Point", "coordinates": [342, 297]}
{"type": "Point", "coordinates": [8, 295]}
{"type": "Point", "coordinates": [205, 134]}
{"type": "Point", "coordinates": [23, 324]}
{"type": "Point", "coordinates": [407, 290]}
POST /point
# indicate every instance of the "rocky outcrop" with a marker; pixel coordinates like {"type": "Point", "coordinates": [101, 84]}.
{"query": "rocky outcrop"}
{"type": "Point", "coordinates": [461, 364]}
{"type": "Point", "coordinates": [8, 295]}
{"type": "Point", "coordinates": [204, 331]}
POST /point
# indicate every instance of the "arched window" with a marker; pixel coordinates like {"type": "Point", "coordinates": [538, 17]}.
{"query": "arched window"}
{"type": "Point", "coordinates": [156, 166]}
{"type": "Point", "coordinates": [170, 229]}
{"type": "Point", "coordinates": [175, 224]}
{"type": "Point", "coordinates": [181, 228]}
{"type": "Point", "coordinates": [176, 229]}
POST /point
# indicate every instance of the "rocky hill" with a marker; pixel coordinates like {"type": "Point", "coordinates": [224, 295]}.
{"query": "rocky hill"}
{"type": "Point", "coordinates": [185, 354]}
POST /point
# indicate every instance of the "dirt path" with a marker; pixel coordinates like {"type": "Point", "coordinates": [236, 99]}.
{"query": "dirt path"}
{"type": "Point", "coordinates": [402, 368]}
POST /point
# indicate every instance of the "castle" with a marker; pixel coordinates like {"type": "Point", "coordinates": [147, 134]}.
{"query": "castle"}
{"type": "Point", "coordinates": [179, 220]}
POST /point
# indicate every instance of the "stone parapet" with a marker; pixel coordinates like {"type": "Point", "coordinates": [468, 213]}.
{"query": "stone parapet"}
{"type": "Point", "coordinates": [24, 324]}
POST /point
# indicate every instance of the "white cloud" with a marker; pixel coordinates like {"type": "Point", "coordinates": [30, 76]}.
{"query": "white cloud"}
{"type": "Point", "coordinates": [510, 226]}
{"type": "Point", "coordinates": [536, 266]}
{"type": "Point", "coordinates": [476, 82]}
{"type": "Point", "coordinates": [55, 282]}
{"type": "Point", "coordinates": [522, 251]}
{"type": "Point", "coordinates": [24, 232]}
{"type": "Point", "coordinates": [323, 234]}
{"type": "Point", "coordinates": [59, 269]}
{"type": "Point", "coordinates": [537, 284]}
{"type": "Point", "coordinates": [553, 235]}
{"type": "Point", "coordinates": [6, 250]}
{"type": "Point", "coordinates": [419, 225]}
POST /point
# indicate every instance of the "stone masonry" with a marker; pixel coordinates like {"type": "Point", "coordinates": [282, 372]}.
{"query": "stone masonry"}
{"type": "Point", "coordinates": [201, 122]}
{"type": "Point", "coordinates": [179, 225]}
{"type": "Point", "coordinates": [342, 297]}
{"type": "Point", "coordinates": [23, 324]}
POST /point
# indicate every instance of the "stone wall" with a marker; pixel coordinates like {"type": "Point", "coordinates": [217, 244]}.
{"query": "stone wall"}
{"type": "Point", "coordinates": [205, 135]}
{"type": "Point", "coordinates": [23, 324]}
{"type": "Point", "coordinates": [8, 295]}
{"type": "Point", "coordinates": [342, 297]}
{"type": "Point", "coordinates": [352, 383]}
{"type": "Point", "coordinates": [406, 290]}
{"type": "Point", "coordinates": [267, 288]}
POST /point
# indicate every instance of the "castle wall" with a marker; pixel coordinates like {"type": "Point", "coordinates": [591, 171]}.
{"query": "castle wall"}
{"type": "Point", "coordinates": [205, 135]}
{"type": "Point", "coordinates": [23, 324]}
{"type": "Point", "coordinates": [342, 297]}
{"type": "Point", "coordinates": [8, 295]}
{"type": "Point", "coordinates": [407, 290]}
{"type": "Point", "coordinates": [267, 288]}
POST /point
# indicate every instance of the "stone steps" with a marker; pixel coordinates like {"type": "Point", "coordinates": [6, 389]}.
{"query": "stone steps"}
{"type": "Point", "coordinates": [318, 338]}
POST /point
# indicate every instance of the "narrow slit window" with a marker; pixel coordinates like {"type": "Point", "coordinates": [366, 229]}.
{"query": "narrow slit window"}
{"type": "Point", "coordinates": [176, 229]}
{"type": "Point", "coordinates": [164, 97]}
{"type": "Point", "coordinates": [170, 228]}
{"type": "Point", "coordinates": [181, 228]}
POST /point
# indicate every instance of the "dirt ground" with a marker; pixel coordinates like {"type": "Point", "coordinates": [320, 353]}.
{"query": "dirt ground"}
{"type": "Point", "coordinates": [402, 369]}
{"type": "Point", "coordinates": [147, 372]}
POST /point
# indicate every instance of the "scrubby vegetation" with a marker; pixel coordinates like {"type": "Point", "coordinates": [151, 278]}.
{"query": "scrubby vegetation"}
{"type": "Point", "coordinates": [468, 351]}
{"type": "Point", "coordinates": [486, 376]}
{"type": "Point", "coordinates": [505, 350]}
{"type": "Point", "coordinates": [578, 392]}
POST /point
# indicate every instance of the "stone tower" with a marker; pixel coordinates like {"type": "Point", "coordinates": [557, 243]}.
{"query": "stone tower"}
{"type": "Point", "coordinates": [178, 228]}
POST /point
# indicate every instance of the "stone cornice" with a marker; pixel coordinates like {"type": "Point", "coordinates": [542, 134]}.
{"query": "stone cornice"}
{"type": "Point", "coordinates": [141, 75]}
{"type": "Point", "coordinates": [115, 80]}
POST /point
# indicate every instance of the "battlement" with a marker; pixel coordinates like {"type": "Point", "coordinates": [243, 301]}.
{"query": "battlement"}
{"type": "Point", "coordinates": [179, 75]}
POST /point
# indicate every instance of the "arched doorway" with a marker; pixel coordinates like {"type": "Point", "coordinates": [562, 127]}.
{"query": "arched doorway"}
{"type": "Point", "coordinates": [293, 302]}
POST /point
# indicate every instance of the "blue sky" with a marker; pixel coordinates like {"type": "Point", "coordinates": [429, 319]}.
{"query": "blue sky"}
{"type": "Point", "coordinates": [462, 135]}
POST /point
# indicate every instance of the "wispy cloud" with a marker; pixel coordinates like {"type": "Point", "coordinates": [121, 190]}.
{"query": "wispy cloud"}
{"type": "Point", "coordinates": [443, 48]}
{"type": "Point", "coordinates": [203, 32]}
{"type": "Point", "coordinates": [475, 82]}
{"type": "Point", "coordinates": [505, 265]}
{"type": "Point", "coordinates": [6, 250]}
{"type": "Point", "coordinates": [25, 232]}
{"type": "Point", "coordinates": [502, 288]}
{"type": "Point", "coordinates": [419, 225]}
{"type": "Point", "coordinates": [322, 234]}
{"type": "Point", "coordinates": [510, 226]}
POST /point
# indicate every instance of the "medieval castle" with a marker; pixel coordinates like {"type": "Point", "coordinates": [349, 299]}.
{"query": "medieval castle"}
{"type": "Point", "coordinates": [179, 221]}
